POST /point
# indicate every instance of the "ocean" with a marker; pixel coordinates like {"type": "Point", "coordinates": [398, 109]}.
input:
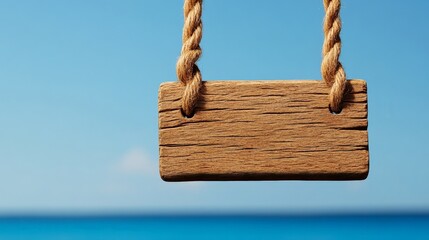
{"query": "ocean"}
{"type": "Point", "coordinates": [200, 227]}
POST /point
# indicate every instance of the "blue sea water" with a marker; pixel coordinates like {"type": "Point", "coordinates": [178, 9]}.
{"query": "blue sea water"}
{"type": "Point", "coordinates": [216, 227]}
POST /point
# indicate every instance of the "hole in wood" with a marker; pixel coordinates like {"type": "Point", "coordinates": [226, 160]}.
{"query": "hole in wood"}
{"type": "Point", "coordinates": [186, 116]}
{"type": "Point", "coordinates": [333, 112]}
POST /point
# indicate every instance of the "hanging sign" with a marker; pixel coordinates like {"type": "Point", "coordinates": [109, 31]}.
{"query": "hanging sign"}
{"type": "Point", "coordinates": [263, 130]}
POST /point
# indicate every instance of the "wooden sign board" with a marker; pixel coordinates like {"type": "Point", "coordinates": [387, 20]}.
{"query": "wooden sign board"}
{"type": "Point", "coordinates": [263, 130]}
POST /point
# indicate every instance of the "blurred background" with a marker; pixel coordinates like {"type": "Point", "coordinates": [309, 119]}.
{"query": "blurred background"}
{"type": "Point", "coordinates": [78, 102]}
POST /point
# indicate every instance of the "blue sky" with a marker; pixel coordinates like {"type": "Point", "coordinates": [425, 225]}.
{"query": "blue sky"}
{"type": "Point", "coordinates": [78, 101]}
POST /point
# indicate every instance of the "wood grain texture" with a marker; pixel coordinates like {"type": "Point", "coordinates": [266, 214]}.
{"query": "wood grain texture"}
{"type": "Point", "coordinates": [263, 130]}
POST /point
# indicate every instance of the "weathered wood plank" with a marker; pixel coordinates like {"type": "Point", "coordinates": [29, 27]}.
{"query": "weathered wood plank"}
{"type": "Point", "coordinates": [263, 130]}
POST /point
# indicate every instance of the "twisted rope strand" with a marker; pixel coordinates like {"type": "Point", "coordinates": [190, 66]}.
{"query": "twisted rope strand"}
{"type": "Point", "coordinates": [332, 70]}
{"type": "Point", "coordinates": [190, 76]}
{"type": "Point", "coordinates": [187, 70]}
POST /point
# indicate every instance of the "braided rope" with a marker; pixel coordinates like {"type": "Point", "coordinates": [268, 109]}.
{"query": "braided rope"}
{"type": "Point", "coordinates": [190, 76]}
{"type": "Point", "coordinates": [332, 70]}
{"type": "Point", "coordinates": [187, 70]}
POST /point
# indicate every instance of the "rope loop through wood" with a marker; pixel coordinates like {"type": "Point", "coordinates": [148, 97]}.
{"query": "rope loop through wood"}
{"type": "Point", "coordinates": [187, 70]}
{"type": "Point", "coordinates": [332, 70]}
{"type": "Point", "coordinates": [189, 74]}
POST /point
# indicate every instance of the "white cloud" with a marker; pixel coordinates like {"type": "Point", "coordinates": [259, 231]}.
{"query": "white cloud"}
{"type": "Point", "coordinates": [137, 161]}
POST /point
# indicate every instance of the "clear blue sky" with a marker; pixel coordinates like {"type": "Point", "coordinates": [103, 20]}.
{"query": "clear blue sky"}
{"type": "Point", "coordinates": [78, 101]}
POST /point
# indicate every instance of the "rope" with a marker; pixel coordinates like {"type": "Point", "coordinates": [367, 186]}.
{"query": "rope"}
{"type": "Point", "coordinates": [189, 74]}
{"type": "Point", "coordinates": [332, 70]}
{"type": "Point", "coordinates": [187, 70]}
